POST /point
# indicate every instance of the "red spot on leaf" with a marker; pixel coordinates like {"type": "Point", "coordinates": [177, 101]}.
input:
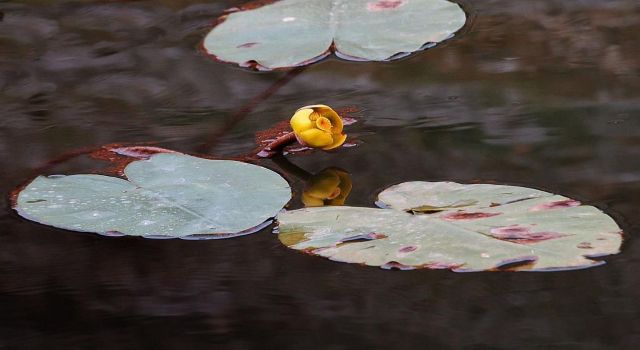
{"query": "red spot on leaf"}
{"type": "Point", "coordinates": [441, 266]}
{"type": "Point", "coordinates": [461, 215]}
{"type": "Point", "coordinates": [375, 235]}
{"type": "Point", "coordinates": [394, 265]}
{"type": "Point", "coordinates": [568, 203]}
{"type": "Point", "coordinates": [312, 250]}
{"type": "Point", "coordinates": [382, 5]}
{"type": "Point", "coordinates": [408, 249]}
{"type": "Point", "coordinates": [519, 234]}
{"type": "Point", "coordinates": [246, 45]}
{"type": "Point", "coordinates": [120, 156]}
{"type": "Point", "coordinates": [585, 245]}
{"type": "Point", "coordinates": [346, 121]}
{"type": "Point", "coordinates": [141, 152]}
{"type": "Point", "coordinates": [113, 234]}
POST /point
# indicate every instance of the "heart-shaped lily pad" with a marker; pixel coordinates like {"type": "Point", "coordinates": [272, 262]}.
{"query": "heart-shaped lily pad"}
{"type": "Point", "coordinates": [446, 225]}
{"type": "Point", "coordinates": [291, 33]}
{"type": "Point", "coordinates": [165, 196]}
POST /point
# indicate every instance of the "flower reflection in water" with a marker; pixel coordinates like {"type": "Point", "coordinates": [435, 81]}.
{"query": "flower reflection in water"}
{"type": "Point", "coordinates": [331, 186]}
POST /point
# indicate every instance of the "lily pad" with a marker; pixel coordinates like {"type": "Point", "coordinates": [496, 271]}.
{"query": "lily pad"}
{"type": "Point", "coordinates": [165, 196]}
{"type": "Point", "coordinates": [446, 225]}
{"type": "Point", "coordinates": [291, 33]}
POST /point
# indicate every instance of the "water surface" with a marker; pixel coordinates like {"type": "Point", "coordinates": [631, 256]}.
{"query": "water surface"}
{"type": "Point", "coordinates": [544, 94]}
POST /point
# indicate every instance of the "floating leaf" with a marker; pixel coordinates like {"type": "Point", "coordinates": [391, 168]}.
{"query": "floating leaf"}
{"type": "Point", "coordinates": [291, 33]}
{"type": "Point", "coordinates": [464, 228]}
{"type": "Point", "coordinates": [165, 196]}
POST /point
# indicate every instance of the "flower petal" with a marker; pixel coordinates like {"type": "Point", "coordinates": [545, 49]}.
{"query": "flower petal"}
{"type": "Point", "coordinates": [328, 113]}
{"type": "Point", "coordinates": [300, 120]}
{"type": "Point", "coordinates": [335, 119]}
{"type": "Point", "coordinates": [316, 138]}
{"type": "Point", "coordinates": [338, 140]}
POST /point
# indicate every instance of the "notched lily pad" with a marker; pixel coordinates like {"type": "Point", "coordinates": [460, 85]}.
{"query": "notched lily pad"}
{"type": "Point", "coordinates": [446, 225]}
{"type": "Point", "coordinates": [168, 195]}
{"type": "Point", "coordinates": [290, 33]}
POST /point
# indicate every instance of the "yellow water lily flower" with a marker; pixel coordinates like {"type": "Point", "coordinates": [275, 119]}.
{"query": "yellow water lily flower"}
{"type": "Point", "coordinates": [329, 187]}
{"type": "Point", "coordinates": [318, 126]}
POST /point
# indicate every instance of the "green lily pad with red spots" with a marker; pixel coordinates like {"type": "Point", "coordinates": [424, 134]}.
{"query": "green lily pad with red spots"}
{"type": "Point", "coordinates": [290, 33]}
{"type": "Point", "coordinates": [446, 225]}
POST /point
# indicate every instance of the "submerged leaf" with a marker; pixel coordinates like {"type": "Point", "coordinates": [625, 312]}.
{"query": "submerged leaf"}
{"type": "Point", "coordinates": [291, 33]}
{"type": "Point", "coordinates": [467, 228]}
{"type": "Point", "coordinates": [165, 196]}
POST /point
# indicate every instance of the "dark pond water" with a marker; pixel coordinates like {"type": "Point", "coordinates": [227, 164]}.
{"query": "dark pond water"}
{"type": "Point", "coordinates": [544, 94]}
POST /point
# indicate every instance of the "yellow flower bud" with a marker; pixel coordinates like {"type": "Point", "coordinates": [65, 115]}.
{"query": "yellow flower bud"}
{"type": "Point", "coordinates": [329, 187]}
{"type": "Point", "coordinates": [318, 126]}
